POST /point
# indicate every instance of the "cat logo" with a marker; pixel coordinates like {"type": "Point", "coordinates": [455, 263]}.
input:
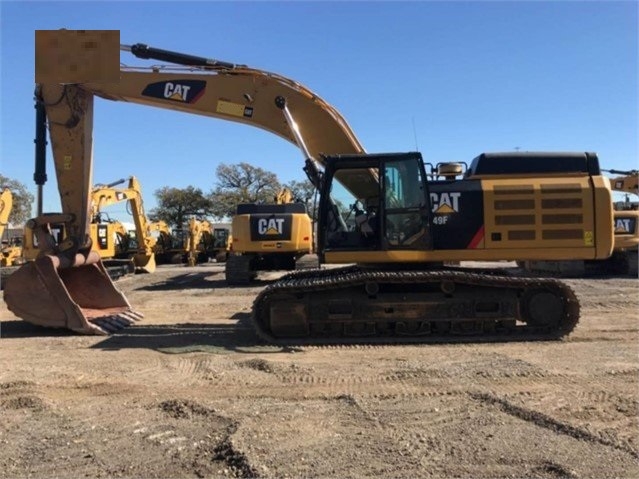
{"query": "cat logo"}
{"type": "Point", "coordinates": [445, 203]}
{"type": "Point", "coordinates": [270, 226]}
{"type": "Point", "coordinates": [177, 92]}
{"type": "Point", "coordinates": [623, 225]}
{"type": "Point", "coordinates": [183, 91]}
{"type": "Point", "coordinates": [120, 196]}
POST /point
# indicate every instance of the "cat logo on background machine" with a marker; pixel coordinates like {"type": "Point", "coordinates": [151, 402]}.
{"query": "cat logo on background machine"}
{"type": "Point", "coordinates": [625, 225]}
{"type": "Point", "coordinates": [270, 227]}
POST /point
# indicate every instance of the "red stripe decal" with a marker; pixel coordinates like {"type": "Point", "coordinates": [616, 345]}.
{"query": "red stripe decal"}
{"type": "Point", "coordinates": [477, 238]}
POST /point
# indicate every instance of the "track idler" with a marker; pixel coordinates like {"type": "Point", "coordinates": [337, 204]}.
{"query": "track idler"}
{"type": "Point", "coordinates": [81, 297]}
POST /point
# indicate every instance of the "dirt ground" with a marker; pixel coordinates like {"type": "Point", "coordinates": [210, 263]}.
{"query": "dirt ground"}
{"type": "Point", "coordinates": [192, 392]}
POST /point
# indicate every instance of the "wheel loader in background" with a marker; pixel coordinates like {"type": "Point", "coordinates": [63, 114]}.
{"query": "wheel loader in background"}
{"type": "Point", "coordinates": [268, 237]}
{"type": "Point", "coordinates": [379, 211]}
{"type": "Point", "coordinates": [624, 259]}
{"type": "Point", "coordinates": [142, 253]}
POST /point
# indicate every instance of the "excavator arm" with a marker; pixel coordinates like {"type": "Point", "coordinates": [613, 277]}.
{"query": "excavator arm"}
{"type": "Point", "coordinates": [196, 230]}
{"type": "Point", "coordinates": [68, 285]}
{"type": "Point", "coordinates": [233, 93]}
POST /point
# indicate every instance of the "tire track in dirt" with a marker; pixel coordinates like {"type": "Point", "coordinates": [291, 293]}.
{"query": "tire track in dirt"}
{"type": "Point", "coordinates": [16, 395]}
{"type": "Point", "coordinates": [219, 448]}
{"type": "Point", "coordinates": [550, 423]}
{"type": "Point", "coordinates": [598, 411]}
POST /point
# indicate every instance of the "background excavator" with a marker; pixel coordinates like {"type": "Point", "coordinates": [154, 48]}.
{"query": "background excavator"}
{"type": "Point", "coordinates": [625, 254]}
{"type": "Point", "coordinates": [164, 248]}
{"type": "Point", "coordinates": [174, 245]}
{"type": "Point", "coordinates": [6, 205]}
{"type": "Point", "coordinates": [376, 210]}
{"type": "Point", "coordinates": [206, 242]}
{"type": "Point", "coordinates": [11, 248]}
{"type": "Point", "coordinates": [142, 251]}
{"type": "Point", "coordinates": [624, 259]}
{"type": "Point", "coordinates": [268, 237]}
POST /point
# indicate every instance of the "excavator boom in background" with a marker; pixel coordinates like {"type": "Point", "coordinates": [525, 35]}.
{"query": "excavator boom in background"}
{"type": "Point", "coordinates": [377, 210]}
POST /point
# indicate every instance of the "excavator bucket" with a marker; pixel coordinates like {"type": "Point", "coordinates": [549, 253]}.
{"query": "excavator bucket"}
{"type": "Point", "coordinates": [144, 263]}
{"type": "Point", "coordinates": [80, 298]}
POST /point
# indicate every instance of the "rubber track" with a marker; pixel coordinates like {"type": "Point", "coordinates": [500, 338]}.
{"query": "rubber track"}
{"type": "Point", "coordinates": [308, 282]}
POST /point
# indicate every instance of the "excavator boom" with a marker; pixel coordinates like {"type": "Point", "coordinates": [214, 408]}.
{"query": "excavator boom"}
{"type": "Point", "coordinates": [210, 88]}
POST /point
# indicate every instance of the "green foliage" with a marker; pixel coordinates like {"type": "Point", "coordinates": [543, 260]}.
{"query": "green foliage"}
{"type": "Point", "coordinates": [22, 200]}
{"type": "Point", "coordinates": [241, 183]}
{"type": "Point", "coordinates": [176, 206]}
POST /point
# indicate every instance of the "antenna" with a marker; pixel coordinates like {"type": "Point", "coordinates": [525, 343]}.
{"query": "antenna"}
{"type": "Point", "coordinates": [415, 133]}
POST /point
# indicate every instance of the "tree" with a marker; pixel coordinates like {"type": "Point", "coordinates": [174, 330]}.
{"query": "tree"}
{"type": "Point", "coordinates": [176, 205]}
{"type": "Point", "coordinates": [22, 200]}
{"type": "Point", "coordinates": [242, 183]}
{"type": "Point", "coordinates": [304, 192]}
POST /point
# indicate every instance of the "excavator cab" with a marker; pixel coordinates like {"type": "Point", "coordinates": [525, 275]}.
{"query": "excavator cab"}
{"type": "Point", "coordinates": [377, 203]}
{"type": "Point", "coordinates": [385, 208]}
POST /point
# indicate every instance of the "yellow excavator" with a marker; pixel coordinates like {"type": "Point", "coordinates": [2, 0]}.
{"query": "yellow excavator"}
{"type": "Point", "coordinates": [6, 205]}
{"type": "Point", "coordinates": [170, 246]}
{"type": "Point", "coordinates": [105, 195]}
{"type": "Point", "coordinates": [268, 237]}
{"type": "Point", "coordinates": [206, 242]}
{"type": "Point", "coordinates": [624, 259]}
{"type": "Point", "coordinates": [11, 249]}
{"type": "Point", "coordinates": [376, 210]}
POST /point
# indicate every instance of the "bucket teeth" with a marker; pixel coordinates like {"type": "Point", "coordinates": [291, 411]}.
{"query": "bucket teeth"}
{"type": "Point", "coordinates": [132, 315]}
{"type": "Point", "coordinates": [120, 322]}
{"type": "Point", "coordinates": [105, 325]}
{"type": "Point", "coordinates": [113, 323]}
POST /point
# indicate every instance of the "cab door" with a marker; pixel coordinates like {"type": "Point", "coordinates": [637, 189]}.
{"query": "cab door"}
{"type": "Point", "coordinates": [406, 208]}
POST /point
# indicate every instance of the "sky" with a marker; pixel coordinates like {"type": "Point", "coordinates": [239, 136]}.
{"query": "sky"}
{"type": "Point", "coordinates": [450, 79]}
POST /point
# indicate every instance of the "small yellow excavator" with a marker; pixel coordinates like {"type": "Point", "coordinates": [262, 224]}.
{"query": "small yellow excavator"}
{"type": "Point", "coordinates": [106, 195]}
{"type": "Point", "coordinates": [268, 237]}
{"type": "Point", "coordinates": [378, 211]}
